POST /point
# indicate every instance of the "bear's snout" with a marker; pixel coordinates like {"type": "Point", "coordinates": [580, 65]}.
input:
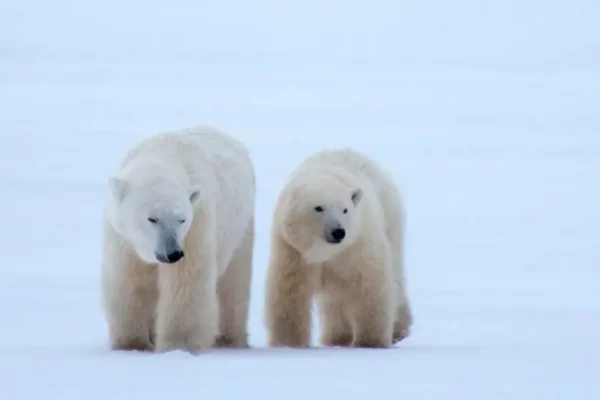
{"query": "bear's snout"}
{"type": "Point", "coordinates": [170, 258]}
{"type": "Point", "coordinates": [175, 256]}
{"type": "Point", "coordinates": [336, 235]}
{"type": "Point", "coordinates": [170, 252]}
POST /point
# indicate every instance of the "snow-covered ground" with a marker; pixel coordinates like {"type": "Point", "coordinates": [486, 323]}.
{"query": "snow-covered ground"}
{"type": "Point", "coordinates": [488, 114]}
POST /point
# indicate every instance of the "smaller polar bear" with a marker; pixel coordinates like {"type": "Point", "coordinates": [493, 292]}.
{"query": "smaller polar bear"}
{"type": "Point", "coordinates": [178, 243]}
{"type": "Point", "coordinates": [337, 237]}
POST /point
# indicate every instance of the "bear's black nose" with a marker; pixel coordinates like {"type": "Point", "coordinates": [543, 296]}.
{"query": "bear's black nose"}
{"type": "Point", "coordinates": [338, 234]}
{"type": "Point", "coordinates": [175, 256]}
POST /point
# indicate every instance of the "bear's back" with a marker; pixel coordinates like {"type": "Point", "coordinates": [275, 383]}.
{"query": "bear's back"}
{"type": "Point", "coordinates": [235, 184]}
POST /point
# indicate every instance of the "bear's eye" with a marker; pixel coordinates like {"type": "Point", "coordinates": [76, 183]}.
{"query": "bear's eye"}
{"type": "Point", "coordinates": [345, 210]}
{"type": "Point", "coordinates": [152, 220]}
{"type": "Point", "coordinates": [181, 220]}
{"type": "Point", "coordinates": [319, 209]}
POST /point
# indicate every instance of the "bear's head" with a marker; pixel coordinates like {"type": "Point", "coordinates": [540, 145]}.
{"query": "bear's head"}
{"type": "Point", "coordinates": [321, 217]}
{"type": "Point", "coordinates": [153, 217]}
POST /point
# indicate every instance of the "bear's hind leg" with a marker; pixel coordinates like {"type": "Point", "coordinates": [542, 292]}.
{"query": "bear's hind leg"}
{"type": "Point", "coordinates": [234, 295]}
{"type": "Point", "coordinates": [335, 326]}
{"type": "Point", "coordinates": [404, 318]}
{"type": "Point", "coordinates": [403, 321]}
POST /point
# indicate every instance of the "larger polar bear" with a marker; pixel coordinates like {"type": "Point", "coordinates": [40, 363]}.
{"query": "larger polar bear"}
{"type": "Point", "coordinates": [178, 243]}
{"type": "Point", "coordinates": [337, 237]}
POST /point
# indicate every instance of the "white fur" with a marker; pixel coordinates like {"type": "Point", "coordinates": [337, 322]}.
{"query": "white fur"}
{"type": "Point", "coordinates": [192, 191]}
{"type": "Point", "coordinates": [359, 282]}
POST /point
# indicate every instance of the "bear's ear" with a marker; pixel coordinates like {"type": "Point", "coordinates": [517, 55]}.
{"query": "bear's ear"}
{"type": "Point", "coordinates": [118, 187]}
{"type": "Point", "coordinates": [195, 196]}
{"type": "Point", "coordinates": [357, 196]}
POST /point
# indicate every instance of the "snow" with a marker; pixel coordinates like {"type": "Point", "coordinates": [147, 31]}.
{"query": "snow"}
{"type": "Point", "coordinates": [487, 113]}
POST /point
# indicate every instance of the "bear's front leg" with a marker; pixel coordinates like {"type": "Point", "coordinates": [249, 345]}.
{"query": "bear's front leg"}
{"type": "Point", "coordinates": [130, 312]}
{"type": "Point", "coordinates": [335, 327]}
{"type": "Point", "coordinates": [374, 304]}
{"type": "Point", "coordinates": [188, 310]}
{"type": "Point", "coordinates": [288, 298]}
{"type": "Point", "coordinates": [129, 296]}
{"type": "Point", "coordinates": [373, 319]}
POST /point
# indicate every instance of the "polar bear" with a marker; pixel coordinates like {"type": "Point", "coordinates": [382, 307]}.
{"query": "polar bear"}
{"type": "Point", "coordinates": [178, 239]}
{"type": "Point", "coordinates": [337, 237]}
